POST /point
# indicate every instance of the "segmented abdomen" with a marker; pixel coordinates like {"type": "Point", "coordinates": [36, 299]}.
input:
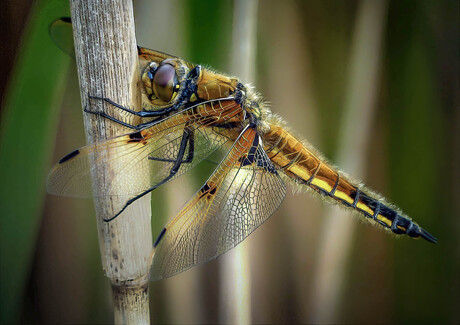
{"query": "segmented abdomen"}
{"type": "Point", "coordinates": [305, 167]}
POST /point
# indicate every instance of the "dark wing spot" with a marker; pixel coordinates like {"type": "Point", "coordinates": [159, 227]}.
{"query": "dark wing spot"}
{"type": "Point", "coordinates": [206, 189]}
{"type": "Point", "coordinates": [69, 156]}
{"type": "Point", "coordinates": [136, 137]}
{"type": "Point", "coordinates": [162, 233]}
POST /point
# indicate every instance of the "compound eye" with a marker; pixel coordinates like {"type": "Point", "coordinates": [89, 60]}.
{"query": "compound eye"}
{"type": "Point", "coordinates": [164, 82]}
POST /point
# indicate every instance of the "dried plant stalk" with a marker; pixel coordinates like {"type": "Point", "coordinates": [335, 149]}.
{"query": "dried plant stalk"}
{"type": "Point", "coordinates": [105, 48]}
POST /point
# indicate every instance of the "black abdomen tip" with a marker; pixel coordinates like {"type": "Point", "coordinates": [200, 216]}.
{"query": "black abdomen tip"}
{"type": "Point", "coordinates": [427, 236]}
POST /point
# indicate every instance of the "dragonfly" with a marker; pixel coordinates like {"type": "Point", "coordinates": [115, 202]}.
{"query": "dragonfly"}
{"type": "Point", "coordinates": [190, 112]}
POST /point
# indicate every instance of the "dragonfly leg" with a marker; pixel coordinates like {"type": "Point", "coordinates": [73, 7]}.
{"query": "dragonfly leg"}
{"type": "Point", "coordinates": [159, 114]}
{"type": "Point", "coordinates": [113, 119]}
{"type": "Point", "coordinates": [143, 113]}
{"type": "Point", "coordinates": [191, 148]}
{"type": "Point", "coordinates": [134, 127]}
{"type": "Point", "coordinates": [190, 155]}
{"type": "Point", "coordinates": [178, 162]}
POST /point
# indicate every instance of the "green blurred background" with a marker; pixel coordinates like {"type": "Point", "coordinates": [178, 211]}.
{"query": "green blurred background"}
{"type": "Point", "coordinates": [50, 270]}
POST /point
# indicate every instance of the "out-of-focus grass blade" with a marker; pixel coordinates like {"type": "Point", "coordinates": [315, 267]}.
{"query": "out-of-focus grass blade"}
{"type": "Point", "coordinates": [28, 128]}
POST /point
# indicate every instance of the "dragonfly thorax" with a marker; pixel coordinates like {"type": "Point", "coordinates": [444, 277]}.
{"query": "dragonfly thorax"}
{"type": "Point", "coordinates": [253, 105]}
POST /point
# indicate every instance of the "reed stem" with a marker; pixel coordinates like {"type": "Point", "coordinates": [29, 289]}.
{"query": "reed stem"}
{"type": "Point", "coordinates": [105, 49]}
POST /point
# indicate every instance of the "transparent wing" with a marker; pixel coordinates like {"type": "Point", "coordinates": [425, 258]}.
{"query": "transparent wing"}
{"type": "Point", "coordinates": [60, 32]}
{"type": "Point", "coordinates": [240, 195]}
{"type": "Point", "coordinates": [147, 55]}
{"type": "Point", "coordinates": [152, 152]}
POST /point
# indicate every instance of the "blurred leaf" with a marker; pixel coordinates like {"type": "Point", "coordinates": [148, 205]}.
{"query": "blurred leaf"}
{"type": "Point", "coordinates": [29, 121]}
{"type": "Point", "coordinates": [61, 33]}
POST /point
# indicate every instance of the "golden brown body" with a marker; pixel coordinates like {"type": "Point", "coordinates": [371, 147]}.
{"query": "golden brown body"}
{"type": "Point", "coordinates": [294, 159]}
{"type": "Point", "coordinates": [305, 167]}
{"type": "Point", "coordinates": [190, 112]}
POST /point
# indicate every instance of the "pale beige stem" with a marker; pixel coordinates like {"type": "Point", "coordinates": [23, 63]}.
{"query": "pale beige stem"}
{"type": "Point", "coordinates": [236, 276]}
{"type": "Point", "coordinates": [334, 248]}
{"type": "Point", "coordinates": [105, 48]}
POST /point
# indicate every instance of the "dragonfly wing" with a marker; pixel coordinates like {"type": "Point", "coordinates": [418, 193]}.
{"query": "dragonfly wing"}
{"type": "Point", "coordinates": [60, 32]}
{"type": "Point", "coordinates": [150, 153]}
{"type": "Point", "coordinates": [147, 55]}
{"type": "Point", "coordinates": [240, 195]}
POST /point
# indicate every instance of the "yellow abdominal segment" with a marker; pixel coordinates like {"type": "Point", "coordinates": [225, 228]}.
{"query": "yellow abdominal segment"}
{"type": "Point", "coordinates": [305, 167]}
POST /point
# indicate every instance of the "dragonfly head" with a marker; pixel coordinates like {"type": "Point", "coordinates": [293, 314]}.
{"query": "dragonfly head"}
{"type": "Point", "coordinates": [162, 81]}
{"type": "Point", "coordinates": [171, 83]}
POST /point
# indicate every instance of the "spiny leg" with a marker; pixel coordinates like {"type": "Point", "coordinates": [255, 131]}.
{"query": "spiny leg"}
{"type": "Point", "coordinates": [178, 162]}
{"type": "Point", "coordinates": [142, 113]}
{"type": "Point", "coordinates": [160, 114]}
{"type": "Point", "coordinates": [113, 119]}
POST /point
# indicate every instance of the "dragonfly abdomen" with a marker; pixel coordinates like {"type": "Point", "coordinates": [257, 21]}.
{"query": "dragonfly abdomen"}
{"type": "Point", "coordinates": [307, 168]}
